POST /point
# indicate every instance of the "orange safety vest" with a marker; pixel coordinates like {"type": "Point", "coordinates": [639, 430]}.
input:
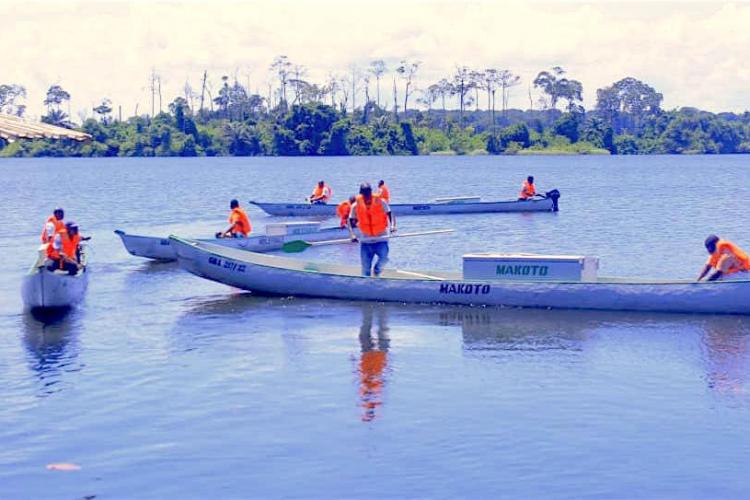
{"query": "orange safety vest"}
{"type": "Point", "coordinates": [343, 210]}
{"type": "Point", "coordinates": [58, 224]}
{"type": "Point", "coordinates": [724, 247]}
{"type": "Point", "coordinates": [324, 191]}
{"type": "Point", "coordinates": [54, 246]}
{"type": "Point", "coordinates": [372, 219]}
{"type": "Point", "coordinates": [527, 191]}
{"type": "Point", "coordinates": [385, 193]}
{"type": "Point", "coordinates": [70, 245]}
{"type": "Point", "coordinates": [240, 222]}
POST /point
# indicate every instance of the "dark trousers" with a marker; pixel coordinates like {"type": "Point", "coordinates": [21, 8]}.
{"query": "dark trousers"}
{"type": "Point", "coordinates": [66, 266]}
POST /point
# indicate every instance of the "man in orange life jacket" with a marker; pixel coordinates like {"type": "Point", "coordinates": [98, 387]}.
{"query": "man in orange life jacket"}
{"type": "Point", "coordinates": [53, 224]}
{"type": "Point", "coordinates": [374, 223]}
{"type": "Point", "coordinates": [384, 192]}
{"type": "Point", "coordinates": [344, 209]}
{"type": "Point", "coordinates": [321, 194]}
{"type": "Point", "coordinates": [62, 251]}
{"type": "Point", "coordinates": [726, 258]}
{"type": "Point", "coordinates": [527, 190]}
{"type": "Point", "coordinates": [240, 223]}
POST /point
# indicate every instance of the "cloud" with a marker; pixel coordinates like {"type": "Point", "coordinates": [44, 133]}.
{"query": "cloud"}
{"type": "Point", "coordinates": [692, 52]}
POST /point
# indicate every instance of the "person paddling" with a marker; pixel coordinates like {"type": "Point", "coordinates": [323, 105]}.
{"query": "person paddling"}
{"type": "Point", "coordinates": [344, 209]}
{"type": "Point", "coordinates": [374, 224]}
{"type": "Point", "coordinates": [726, 258]}
{"type": "Point", "coordinates": [321, 194]}
{"type": "Point", "coordinates": [53, 224]}
{"type": "Point", "coordinates": [240, 223]}
{"type": "Point", "coordinates": [63, 251]}
{"type": "Point", "coordinates": [384, 192]}
{"type": "Point", "coordinates": [528, 190]}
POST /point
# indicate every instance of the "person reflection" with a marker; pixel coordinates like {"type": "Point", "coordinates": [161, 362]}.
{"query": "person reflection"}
{"type": "Point", "coordinates": [726, 343]}
{"type": "Point", "coordinates": [48, 339]}
{"type": "Point", "coordinates": [373, 360]}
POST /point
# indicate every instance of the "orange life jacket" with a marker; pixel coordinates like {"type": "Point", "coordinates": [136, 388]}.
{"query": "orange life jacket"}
{"type": "Point", "coordinates": [372, 219]}
{"type": "Point", "coordinates": [70, 245]}
{"type": "Point", "coordinates": [385, 193]}
{"type": "Point", "coordinates": [240, 222]}
{"type": "Point", "coordinates": [527, 191]}
{"type": "Point", "coordinates": [724, 247]}
{"type": "Point", "coordinates": [55, 245]}
{"type": "Point", "coordinates": [343, 210]}
{"type": "Point", "coordinates": [322, 193]}
{"type": "Point", "coordinates": [56, 223]}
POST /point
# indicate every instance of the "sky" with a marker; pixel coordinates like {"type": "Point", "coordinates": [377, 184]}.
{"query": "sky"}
{"type": "Point", "coordinates": [695, 53]}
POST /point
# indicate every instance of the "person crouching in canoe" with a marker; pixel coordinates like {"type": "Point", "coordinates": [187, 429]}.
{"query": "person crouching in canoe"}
{"type": "Point", "coordinates": [344, 209]}
{"type": "Point", "coordinates": [240, 223]}
{"type": "Point", "coordinates": [528, 191]}
{"type": "Point", "coordinates": [63, 250]}
{"type": "Point", "coordinates": [726, 258]}
{"type": "Point", "coordinates": [374, 224]}
{"type": "Point", "coordinates": [321, 194]}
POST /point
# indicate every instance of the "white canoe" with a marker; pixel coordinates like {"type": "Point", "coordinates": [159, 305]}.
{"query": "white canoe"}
{"type": "Point", "coordinates": [45, 289]}
{"type": "Point", "coordinates": [548, 204]}
{"type": "Point", "coordinates": [153, 247]}
{"type": "Point", "coordinates": [272, 275]}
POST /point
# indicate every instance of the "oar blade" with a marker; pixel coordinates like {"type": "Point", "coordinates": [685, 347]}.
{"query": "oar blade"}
{"type": "Point", "coordinates": [295, 246]}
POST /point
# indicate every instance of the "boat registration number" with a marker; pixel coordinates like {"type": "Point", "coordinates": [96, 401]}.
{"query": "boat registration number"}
{"type": "Point", "coordinates": [227, 264]}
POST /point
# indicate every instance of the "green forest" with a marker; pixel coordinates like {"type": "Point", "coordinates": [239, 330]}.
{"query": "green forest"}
{"type": "Point", "coordinates": [465, 113]}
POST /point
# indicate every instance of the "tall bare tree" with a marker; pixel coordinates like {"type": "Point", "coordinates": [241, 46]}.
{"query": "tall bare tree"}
{"type": "Point", "coordinates": [407, 70]}
{"type": "Point", "coordinates": [507, 80]}
{"type": "Point", "coordinates": [377, 68]}
{"type": "Point", "coordinates": [462, 84]}
{"type": "Point", "coordinates": [282, 68]}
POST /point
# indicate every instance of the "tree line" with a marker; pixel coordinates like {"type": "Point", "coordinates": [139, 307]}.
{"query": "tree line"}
{"type": "Point", "coordinates": [466, 112]}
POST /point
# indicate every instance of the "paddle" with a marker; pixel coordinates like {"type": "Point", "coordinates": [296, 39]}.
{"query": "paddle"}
{"type": "Point", "coordinates": [297, 246]}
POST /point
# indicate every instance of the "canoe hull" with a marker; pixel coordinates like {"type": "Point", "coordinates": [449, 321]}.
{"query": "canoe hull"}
{"type": "Point", "coordinates": [307, 210]}
{"type": "Point", "coordinates": [42, 289]}
{"type": "Point", "coordinates": [282, 276]}
{"type": "Point", "coordinates": [161, 249]}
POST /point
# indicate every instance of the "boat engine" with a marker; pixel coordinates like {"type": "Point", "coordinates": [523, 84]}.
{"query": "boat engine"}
{"type": "Point", "coordinates": [553, 195]}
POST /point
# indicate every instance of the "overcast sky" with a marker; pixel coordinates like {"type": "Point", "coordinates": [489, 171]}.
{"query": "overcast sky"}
{"type": "Point", "coordinates": [695, 53]}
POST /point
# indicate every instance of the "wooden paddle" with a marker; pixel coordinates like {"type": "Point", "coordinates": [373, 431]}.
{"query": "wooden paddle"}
{"type": "Point", "coordinates": [297, 246]}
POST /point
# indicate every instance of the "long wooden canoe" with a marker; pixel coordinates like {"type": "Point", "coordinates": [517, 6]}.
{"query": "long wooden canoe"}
{"type": "Point", "coordinates": [273, 275]}
{"type": "Point", "coordinates": [548, 204]}
{"type": "Point", "coordinates": [45, 289]}
{"type": "Point", "coordinates": [153, 247]}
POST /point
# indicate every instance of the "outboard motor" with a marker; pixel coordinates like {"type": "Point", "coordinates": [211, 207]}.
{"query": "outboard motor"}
{"type": "Point", "coordinates": [553, 195]}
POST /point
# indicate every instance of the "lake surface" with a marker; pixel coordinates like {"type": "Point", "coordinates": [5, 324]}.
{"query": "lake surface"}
{"type": "Point", "coordinates": [165, 385]}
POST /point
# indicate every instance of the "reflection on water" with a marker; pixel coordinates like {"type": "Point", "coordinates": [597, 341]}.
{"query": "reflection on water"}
{"type": "Point", "coordinates": [373, 358]}
{"type": "Point", "coordinates": [725, 344]}
{"type": "Point", "coordinates": [52, 344]}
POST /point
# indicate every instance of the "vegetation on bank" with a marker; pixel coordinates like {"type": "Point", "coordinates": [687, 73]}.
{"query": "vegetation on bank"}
{"type": "Point", "coordinates": [627, 119]}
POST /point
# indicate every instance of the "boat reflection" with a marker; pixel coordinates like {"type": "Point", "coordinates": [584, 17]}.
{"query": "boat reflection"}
{"type": "Point", "coordinates": [725, 351]}
{"type": "Point", "coordinates": [51, 342]}
{"type": "Point", "coordinates": [373, 358]}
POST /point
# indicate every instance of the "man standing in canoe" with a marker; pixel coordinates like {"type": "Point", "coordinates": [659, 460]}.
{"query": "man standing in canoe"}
{"type": "Point", "coordinates": [374, 224]}
{"type": "Point", "coordinates": [384, 192]}
{"type": "Point", "coordinates": [528, 191]}
{"type": "Point", "coordinates": [240, 223]}
{"type": "Point", "coordinates": [321, 194]}
{"type": "Point", "coordinates": [726, 258]}
{"type": "Point", "coordinates": [344, 209]}
{"type": "Point", "coordinates": [53, 225]}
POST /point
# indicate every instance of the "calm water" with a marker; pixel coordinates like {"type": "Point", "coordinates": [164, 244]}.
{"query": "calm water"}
{"type": "Point", "coordinates": [163, 384]}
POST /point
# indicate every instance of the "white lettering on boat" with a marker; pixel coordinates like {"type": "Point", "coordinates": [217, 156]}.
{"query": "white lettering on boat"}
{"type": "Point", "coordinates": [227, 264]}
{"type": "Point", "coordinates": [464, 289]}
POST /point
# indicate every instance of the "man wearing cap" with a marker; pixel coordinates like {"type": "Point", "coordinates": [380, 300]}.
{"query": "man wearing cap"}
{"type": "Point", "coordinates": [374, 224]}
{"type": "Point", "coordinates": [726, 258]}
{"type": "Point", "coordinates": [63, 250]}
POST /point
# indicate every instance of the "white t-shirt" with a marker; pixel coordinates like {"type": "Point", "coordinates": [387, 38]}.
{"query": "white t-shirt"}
{"type": "Point", "coordinates": [366, 238]}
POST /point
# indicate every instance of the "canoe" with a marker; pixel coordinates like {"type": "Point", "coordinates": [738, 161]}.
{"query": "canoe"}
{"type": "Point", "coordinates": [274, 275]}
{"type": "Point", "coordinates": [45, 289]}
{"type": "Point", "coordinates": [153, 247]}
{"type": "Point", "coordinates": [456, 206]}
